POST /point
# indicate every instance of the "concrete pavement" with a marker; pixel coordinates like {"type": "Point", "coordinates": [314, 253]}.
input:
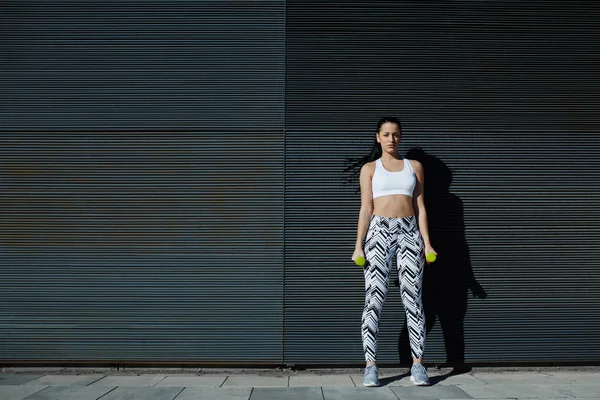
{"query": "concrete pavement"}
{"type": "Point", "coordinates": [59, 384]}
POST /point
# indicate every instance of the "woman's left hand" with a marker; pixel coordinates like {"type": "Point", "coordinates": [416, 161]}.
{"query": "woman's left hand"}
{"type": "Point", "coordinates": [429, 249]}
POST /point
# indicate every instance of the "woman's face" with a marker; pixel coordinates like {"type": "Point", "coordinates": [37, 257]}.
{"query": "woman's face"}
{"type": "Point", "coordinates": [389, 137]}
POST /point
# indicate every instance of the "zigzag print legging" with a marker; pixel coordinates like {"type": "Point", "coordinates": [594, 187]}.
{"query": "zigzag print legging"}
{"type": "Point", "coordinates": [385, 237]}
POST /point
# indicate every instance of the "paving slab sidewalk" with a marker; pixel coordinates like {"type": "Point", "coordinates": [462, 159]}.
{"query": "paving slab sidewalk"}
{"type": "Point", "coordinates": [290, 385]}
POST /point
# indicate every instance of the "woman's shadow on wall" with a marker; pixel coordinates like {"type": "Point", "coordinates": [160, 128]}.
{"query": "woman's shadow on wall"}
{"type": "Point", "coordinates": [448, 281]}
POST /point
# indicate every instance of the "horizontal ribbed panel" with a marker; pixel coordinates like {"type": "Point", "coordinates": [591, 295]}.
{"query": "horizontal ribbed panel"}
{"type": "Point", "coordinates": [141, 247]}
{"type": "Point", "coordinates": [145, 65]}
{"type": "Point", "coordinates": [169, 246]}
{"type": "Point", "coordinates": [503, 98]}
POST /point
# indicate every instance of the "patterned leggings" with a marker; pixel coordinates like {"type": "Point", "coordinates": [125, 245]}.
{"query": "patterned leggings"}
{"type": "Point", "coordinates": [385, 237]}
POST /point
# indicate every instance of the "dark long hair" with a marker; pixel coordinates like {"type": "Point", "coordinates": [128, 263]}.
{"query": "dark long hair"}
{"type": "Point", "coordinates": [353, 165]}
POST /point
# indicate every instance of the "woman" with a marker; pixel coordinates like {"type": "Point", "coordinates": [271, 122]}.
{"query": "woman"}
{"type": "Point", "coordinates": [394, 219]}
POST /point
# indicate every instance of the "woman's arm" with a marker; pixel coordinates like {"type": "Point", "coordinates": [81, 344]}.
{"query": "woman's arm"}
{"type": "Point", "coordinates": [366, 207]}
{"type": "Point", "coordinates": [419, 205]}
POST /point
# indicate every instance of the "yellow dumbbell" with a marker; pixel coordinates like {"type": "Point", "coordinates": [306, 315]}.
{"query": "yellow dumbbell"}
{"type": "Point", "coordinates": [360, 261]}
{"type": "Point", "coordinates": [430, 257]}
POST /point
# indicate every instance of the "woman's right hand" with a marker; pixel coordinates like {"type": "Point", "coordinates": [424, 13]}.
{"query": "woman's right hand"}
{"type": "Point", "coordinates": [358, 253]}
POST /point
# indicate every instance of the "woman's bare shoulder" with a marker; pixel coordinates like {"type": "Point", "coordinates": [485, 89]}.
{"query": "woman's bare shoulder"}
{"type": "Point", "coordinates": [369, 167]}
{"type": "Point", "coordinates": [415, 164]}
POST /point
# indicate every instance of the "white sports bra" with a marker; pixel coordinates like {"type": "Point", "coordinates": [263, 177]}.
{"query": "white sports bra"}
{"type": "Point", "coordinates": [385, 182]}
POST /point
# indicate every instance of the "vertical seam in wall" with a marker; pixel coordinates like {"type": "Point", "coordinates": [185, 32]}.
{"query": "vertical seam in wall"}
{"type": "Point", "coordinates": [283, 247]}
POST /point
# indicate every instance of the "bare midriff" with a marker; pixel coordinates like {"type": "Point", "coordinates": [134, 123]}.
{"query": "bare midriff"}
{"type": "Point", "coordinates": [393, 206]}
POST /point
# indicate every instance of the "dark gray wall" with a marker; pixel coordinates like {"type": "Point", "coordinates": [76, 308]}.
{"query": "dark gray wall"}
{"type": "Point", "coordinates": [141, 162]}
{"type": "Point", "coordinates": [503, 99]}
{"type": "Point", "coordinates": [142, 65]}
{"type": "Point", "coordinates": [172, 188]}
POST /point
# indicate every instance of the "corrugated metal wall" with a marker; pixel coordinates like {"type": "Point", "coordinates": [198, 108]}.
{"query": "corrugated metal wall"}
{"type": "Point", "coordinates": [141, 160]}
{"type": "Point", "coordinates": [143, 65]}
{"type": "Point", "coordinates": [152, 208]}
{"type": "Point", "coordinates": [503, 99]}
